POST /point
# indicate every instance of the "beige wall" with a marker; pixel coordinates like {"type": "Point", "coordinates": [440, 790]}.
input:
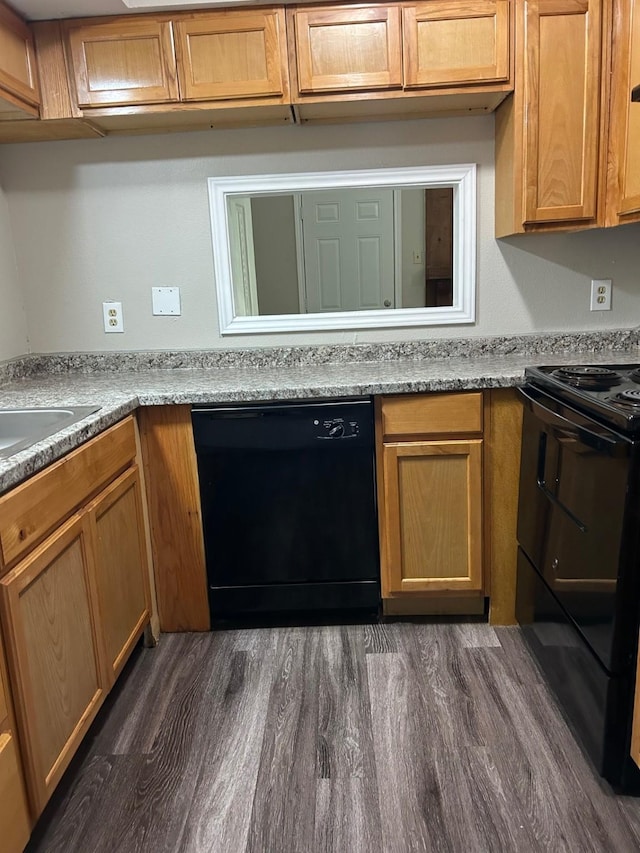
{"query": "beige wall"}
{"type": "Point", "coordinates": [274, 245]}
{"type": "Point", "coordinates": [108, 219]}
{"type": "Point", "coordinates": [13, 323]}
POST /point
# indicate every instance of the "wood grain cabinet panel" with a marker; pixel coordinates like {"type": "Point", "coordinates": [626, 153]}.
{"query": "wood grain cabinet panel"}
{"type": "Point", "coordinates": [14, 812]}
{"type": "Point", "coordinates": [432, 414]}
{"type": "Point", "coordinates": [231, 55]}
{"type": "Point", "coordinates": [429, 459]}
{"type": "Point", "coordinates": [562, 94]}
{"type": "Point", "coordinates": [123, 61]}
{"type": "Point", "coordinates": [122, 567]}
{"type": "Point", "coordinates": [49, 611]}
{"type": "Point", "coordinates": [347, 48]}
{"type": "Point", "coordinates": [18, 74]}
{"type": "Point", "coordinates": [454, 43]}
{"type": "Point", "coordinates": [624, 137]}
{"type": "Point", "coordinates": [14, 819]}
{"type": "Point", "coordinates": [33, 509]}
{"type": "Point", "coordinates": [433, 516]}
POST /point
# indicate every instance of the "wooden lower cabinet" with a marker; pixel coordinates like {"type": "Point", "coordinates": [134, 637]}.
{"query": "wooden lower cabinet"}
{"type": "Point", "coordinates": [15, 823]}
{"type": "Point", "coordinates": [49, 611]}
{"type": "Point", "coordinates": [14, 818]}
{"type": "Point", "coordinates": [430, 498]}
{"type": "Point", "coordinates": [74, 599]}
{"type": "Point", "coordinates": [121, 571]}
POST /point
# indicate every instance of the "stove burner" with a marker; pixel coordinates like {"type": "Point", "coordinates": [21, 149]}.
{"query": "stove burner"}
{"type": "Point", "coordinates": [635, 375]}
{"type": "Point", "coordinates": [589, 377]}
{"type": "Point", "coordinates": [628, 399]}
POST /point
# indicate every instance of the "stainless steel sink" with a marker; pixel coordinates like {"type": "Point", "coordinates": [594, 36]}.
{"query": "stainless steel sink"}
{"type": "Point", "coordinates": [20, 428]}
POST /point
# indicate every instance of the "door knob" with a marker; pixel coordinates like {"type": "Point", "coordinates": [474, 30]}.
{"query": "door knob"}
{"type": "Point", "coordinates": [387, 303]}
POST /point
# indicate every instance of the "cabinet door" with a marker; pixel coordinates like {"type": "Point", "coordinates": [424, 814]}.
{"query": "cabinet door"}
{"type": "Point", "coordinates": [451, 43]}
{"type": "Point", "coordinates": [122, 567]}
{"type": "Point", "coordinates": [14, 814]}
{"type": "Point", "coordinates": [17, 58]}
{"type": "Point", "coordinates": [433, 516]}
{"type": "Point", "coordinates": [123, 62]}
{"type": "Point", "coordinates": [625, 115]}
{"type": "Point", "coordinates": [232, 55]}
{"type": "Point", "coordinates": [14, 820]}
{"type": "Point", "coordinates": [49, 610]}
{"type": "Point", "coordinates": [562, 97]}
{"type": "Point", "coordinates": [342, 49]}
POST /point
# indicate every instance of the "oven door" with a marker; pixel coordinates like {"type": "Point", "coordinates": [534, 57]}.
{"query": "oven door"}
{"type": "Point", "coordinates": [571, 520]}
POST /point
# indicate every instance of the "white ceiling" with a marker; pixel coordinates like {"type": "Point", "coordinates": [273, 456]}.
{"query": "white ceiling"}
{"type": "Point", "coordinates": [44, 10]}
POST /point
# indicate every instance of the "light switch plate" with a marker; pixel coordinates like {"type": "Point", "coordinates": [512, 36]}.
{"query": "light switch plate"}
{"type": "Point", "coordinates": [166, 300]}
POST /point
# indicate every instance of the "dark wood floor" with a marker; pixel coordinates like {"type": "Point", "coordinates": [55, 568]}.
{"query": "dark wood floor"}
{"type": "Point", "coordinates": [390, 738]}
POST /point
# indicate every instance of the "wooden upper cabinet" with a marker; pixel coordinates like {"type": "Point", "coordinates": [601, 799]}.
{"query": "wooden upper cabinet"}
{"type": "Point", "coordinates": [347, 48]}
{"type": "Point", "coordinates": [18, 76]}
{"type": "Point", "coordinates": [624, 138]}
{"type": "Point", "coordinates": [562, 109]}
{"type": "Point", "coordinates": [238, 54]}
{"type": "Point", "coordinates": [455, 43]}
{"type": "Point", "coordinates": [122, 61]}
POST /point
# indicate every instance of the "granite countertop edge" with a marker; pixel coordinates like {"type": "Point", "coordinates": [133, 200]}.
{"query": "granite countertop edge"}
{"type": "Point", "coordinates": [119, 393]}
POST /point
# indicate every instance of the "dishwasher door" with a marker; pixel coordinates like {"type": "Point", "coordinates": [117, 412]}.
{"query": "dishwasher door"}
{"type": "Point", "coordinates": [288, 504]}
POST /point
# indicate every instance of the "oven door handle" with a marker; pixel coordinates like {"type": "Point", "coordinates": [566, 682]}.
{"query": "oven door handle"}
{"type": "Point", "coordinates": [601, 441]}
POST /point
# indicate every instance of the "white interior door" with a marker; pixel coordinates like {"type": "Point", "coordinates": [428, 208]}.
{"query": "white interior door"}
{"type": "Point", "coordinates": [242, 256]}
{"type": "Point", "coordinates": [348, 249]}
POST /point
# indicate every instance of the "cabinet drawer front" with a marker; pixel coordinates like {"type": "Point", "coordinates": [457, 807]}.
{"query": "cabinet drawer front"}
{"type": "Point", "coordinates": [232, 55]}
{"type": "Point", "coordinates": [453, 43]}
{"type": "Point", "coordinates": [32, 510]}
{"type": "Point", "coordinates": [14, 820]}
{"type": "Point", "coordinates": [342, 49]}
{"type": "Point", "coordinates": [432, 414]}
{"type": "Point", "coordinates": [123, 63]}
{"type": "Point", "coordinates": [17, 58]}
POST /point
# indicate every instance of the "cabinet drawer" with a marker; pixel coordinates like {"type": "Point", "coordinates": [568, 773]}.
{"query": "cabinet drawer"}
{"type": "Point", "coordinates": [14, 821]}
{"type": "Point", "coordinates": [35, 508]}
{"type": "Point", "coordinates": [432, 414]}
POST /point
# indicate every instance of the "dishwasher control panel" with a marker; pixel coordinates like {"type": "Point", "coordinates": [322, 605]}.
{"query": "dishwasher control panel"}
{"type": "Point", "coordinates": [333, 428]}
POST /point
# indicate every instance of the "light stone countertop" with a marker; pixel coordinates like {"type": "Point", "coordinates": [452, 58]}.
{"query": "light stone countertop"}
{"type": "Point", "coordinates": [119, 392]}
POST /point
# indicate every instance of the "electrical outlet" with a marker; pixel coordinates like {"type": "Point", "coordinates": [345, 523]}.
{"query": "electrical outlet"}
{"type": "Point", "coordinates": [112, 315]}
{"type": "Point", "coordinates": [601, 294]}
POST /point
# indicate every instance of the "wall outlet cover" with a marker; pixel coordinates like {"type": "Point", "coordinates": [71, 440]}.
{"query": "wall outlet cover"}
{"type": "Point", "coordinates": [166, 301]}
{"type": "Point", "coordinates": [112, 317]}
{"type": "Point", "coordinates": [601, 294]}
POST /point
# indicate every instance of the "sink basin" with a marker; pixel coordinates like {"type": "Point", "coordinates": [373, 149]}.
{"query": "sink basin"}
{"type": "Point", "coordinates": [20, 428]}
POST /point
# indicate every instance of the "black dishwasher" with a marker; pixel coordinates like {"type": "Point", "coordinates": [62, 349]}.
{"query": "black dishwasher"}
{"type": "Point", "coordinates": [288, 507]}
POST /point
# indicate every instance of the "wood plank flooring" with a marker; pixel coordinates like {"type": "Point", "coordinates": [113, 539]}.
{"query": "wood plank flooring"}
{"type": "Point", "coordinates": [388, 738]}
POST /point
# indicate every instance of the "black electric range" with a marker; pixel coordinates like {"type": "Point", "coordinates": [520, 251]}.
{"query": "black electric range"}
{"type": "Point", "coordinates": [578, 588]}
{"type": "Point", "coordinates": [610, 393]}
